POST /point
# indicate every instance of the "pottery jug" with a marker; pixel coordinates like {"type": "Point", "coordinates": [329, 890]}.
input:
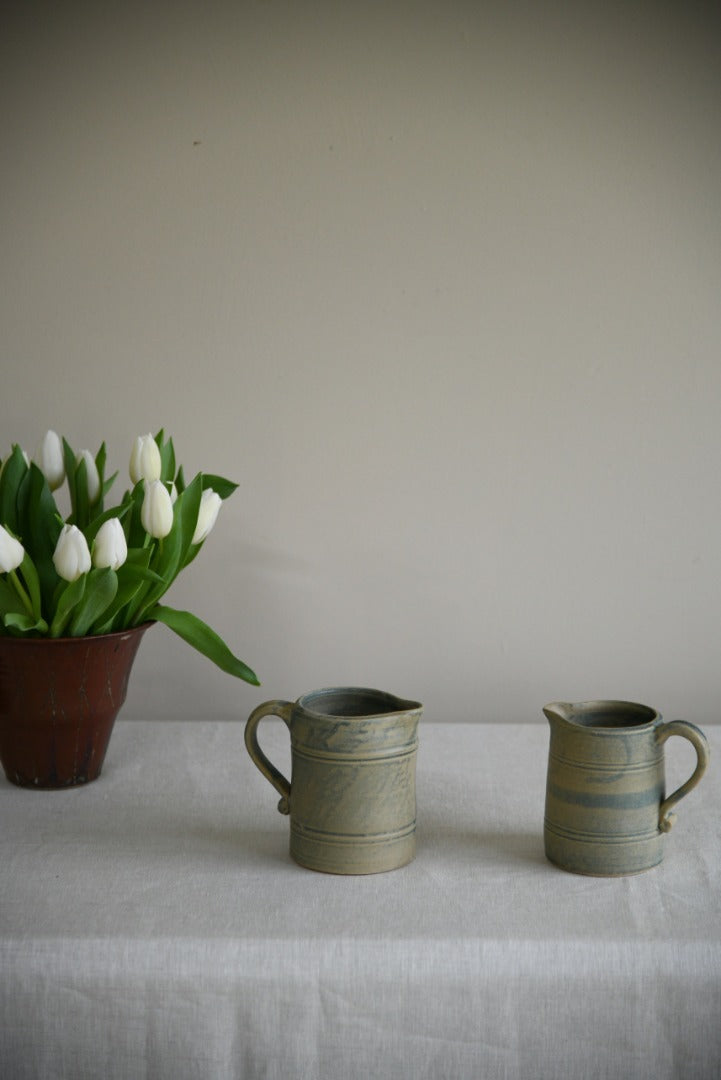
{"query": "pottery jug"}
{"type": "Point", "coordinates": [606, 803]}
{"type": "Point", "coordinates": [351, 796]}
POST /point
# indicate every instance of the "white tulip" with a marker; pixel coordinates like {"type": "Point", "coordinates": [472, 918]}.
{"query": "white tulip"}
{"type": "Point", "coordinates": [72, 555]}
{"type": "Point", "coordinates": [210, 503]}
{"type": "Point", "coordinates": [50, 459]}
{"type": "Point", "coordinates": [110, 547]}
{"type": "Point", "coordinates": [145, 461]}
{"type": "Point", "coordinates": [12, 552]}
{"type": "Point", "coordinates": [156, 513]}
{"type": "Point", "coordinates": [91, 471]}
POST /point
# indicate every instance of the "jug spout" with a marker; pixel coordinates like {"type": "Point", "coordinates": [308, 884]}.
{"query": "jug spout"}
{"type": "Point", "coordinates": [558, 710]}
{"type": "Point", "coordinates": [404, 705]}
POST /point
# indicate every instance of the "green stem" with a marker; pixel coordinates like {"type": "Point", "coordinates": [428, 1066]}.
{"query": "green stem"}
{"type": "Point", "coordinates": [21, 592]}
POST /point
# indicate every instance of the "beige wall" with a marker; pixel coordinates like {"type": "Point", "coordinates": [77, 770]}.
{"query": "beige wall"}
{"type": "Point", "coordinates": [437, 283]}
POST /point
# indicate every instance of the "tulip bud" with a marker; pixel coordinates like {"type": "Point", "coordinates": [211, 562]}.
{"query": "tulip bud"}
{"type": "Point", "coordinates": [72, 555]}
{"type": "Point", "coordinates": [156, 513]}
{"type": "Point", "coordinates": [91, 471]}
{"type": "Point", "coordinates": [12, 552]}
{"type": "Point", "coordinates": [145, 461]}
{"type": "Point", "coordinates": [110, 547]}
{"type": "Point", "coordinates": [50, 460]}
{"type": "Point", "coordinates": [207, 514]}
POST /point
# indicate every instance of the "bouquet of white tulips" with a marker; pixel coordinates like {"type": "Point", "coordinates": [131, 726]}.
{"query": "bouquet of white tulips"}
{"type": "Point", "coordinates": [99, 571]}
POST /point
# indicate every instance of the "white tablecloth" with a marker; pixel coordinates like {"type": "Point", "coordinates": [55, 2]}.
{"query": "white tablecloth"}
{"type": "Point", "coordinates": [153, 926]}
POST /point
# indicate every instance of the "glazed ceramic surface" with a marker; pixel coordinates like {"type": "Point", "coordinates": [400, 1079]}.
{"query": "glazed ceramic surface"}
{"type": "Point", "coordinates": [606, 806]}
{"type": "Point", "coordinates": [59, 698]}
{"type": "Point", "coordinates": [352, 796]}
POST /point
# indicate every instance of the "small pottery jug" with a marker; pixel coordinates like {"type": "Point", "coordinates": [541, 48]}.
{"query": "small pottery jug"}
{"type": "Point", "coordinates": [606, 804]}
{"type": "Point", "coordinates": [352, 795]}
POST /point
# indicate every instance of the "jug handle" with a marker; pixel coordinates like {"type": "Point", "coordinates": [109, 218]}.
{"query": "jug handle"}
{"type": "Point", "coordinates": [283, 709]}
{"type": "Point", "coordinates": [697, 738]}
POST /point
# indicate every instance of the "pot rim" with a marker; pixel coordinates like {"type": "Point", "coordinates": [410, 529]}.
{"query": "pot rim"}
{"type": "Point", "coordinates": [43, 639]}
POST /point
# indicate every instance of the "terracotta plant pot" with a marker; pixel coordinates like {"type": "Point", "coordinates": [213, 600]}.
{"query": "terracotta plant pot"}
{"type": "Point", "coordinates": [58, 702]}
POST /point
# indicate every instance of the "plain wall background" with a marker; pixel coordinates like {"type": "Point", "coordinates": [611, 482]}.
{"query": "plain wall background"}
{"type": "Point", "coordinates": [438, 283]}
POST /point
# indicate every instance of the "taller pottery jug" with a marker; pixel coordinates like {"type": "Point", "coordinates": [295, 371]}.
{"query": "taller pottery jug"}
{"type": "Point", "coordinates": [352, 794]}
{"type": "Point", "coordinates": [606, 804]}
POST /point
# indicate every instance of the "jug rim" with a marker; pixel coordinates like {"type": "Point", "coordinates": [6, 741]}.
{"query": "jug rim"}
{"type": "Point", "coordinates": [392, 704]}
{"type": "Point", "coordinates": [611, 715]}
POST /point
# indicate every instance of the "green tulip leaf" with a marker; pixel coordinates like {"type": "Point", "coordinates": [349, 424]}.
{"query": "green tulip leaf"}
{"type": "Point", "coordinates": [82, 500]}
{"type": "Point", "coordinates": [137, 556]}
{"type": "Point", "coordinates": [135, 533]}
{"type": "Point", "coordinates": [100, 459]}
{"type": "Point", "coordinates": [198, 634]}
{"type": "Point", "coordinates": [188, 516]}
{"type": "Point", "coordinates": [101, 587]}
{"type": "Point", "coordinates": [24, 624]}
{"type": "Point", "coordinates": [133, 579]}
{"type": "Point", "coordinates": [193, 552]}
{"type": "Point", "coordinates": [22, 500]}
{"type": "Point", "coordinates": [144, 573]}
{"type": "Point", "coordinates": [167, 553]}
{"type": "Point", "coordinates": [167, 461]}
{"type": "Point", "coordinates": [70, 467]}
{"type": "Point", "coordinates": [110, 619]}
{"type": "Point", "coordinates": [13, 472]}
{"type": "Point", "coordinates": [42, 527]}
{"type": "Point", "coordinates": [219, 484]}
{"type": "Point", "coordinates": [106, 485]}
{"type": "Point", "coordinates": [67, 599]}
{"type": "Point", "coordinates": [31, 579]}
{"type": "Point", "coordinates": [9, 599]}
